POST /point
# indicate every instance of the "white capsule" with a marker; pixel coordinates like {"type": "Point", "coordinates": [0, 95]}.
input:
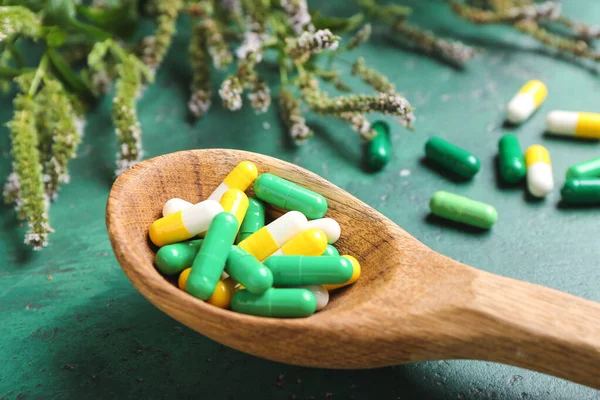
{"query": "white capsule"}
{"type": "Point", "coordinates": [173, 205]}
{"type": "Point", "coordinates": [526, 101]}
{"type": "Point", "coordinates": [570, 123]}
{"type": "Point", "coordinates": [540, 181]}
{"type": "Point", "coordinates": [321, 295]}
{"type": "Point", "coordinates": [329, 226]}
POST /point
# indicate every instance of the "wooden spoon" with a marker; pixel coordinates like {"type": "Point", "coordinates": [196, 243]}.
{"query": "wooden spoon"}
{"type": "Point", "coordinates": [410, 304]}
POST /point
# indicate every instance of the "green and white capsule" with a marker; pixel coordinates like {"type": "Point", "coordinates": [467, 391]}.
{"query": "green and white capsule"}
{"type": "Point", "coordinates": [321, 295]}
{"type": "Point", "coordinates": [309, 270]}
{"type": "Point", "coordinates": [462, 209]}
{"type": "Point", "coordinates": [278, 303]}
{"type": "Point", "coordinates": [174, 258]}
{"type": "Point", "coordinates": [247, 270]}
{"type": "Point", "coordinates": [581, 191]}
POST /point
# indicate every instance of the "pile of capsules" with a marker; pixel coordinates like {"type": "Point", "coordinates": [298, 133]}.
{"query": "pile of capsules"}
{"type": "Point", "coordinates": [582, 185]}
{"type": "Point", "coordinates": [283, 269]}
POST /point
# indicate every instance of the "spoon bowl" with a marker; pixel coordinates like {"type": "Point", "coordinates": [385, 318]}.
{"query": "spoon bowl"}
{"type": "Point", "coordinates": [410, 303]}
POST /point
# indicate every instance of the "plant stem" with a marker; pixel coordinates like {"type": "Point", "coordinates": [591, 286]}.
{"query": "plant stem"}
{"type": "Point", "coordinates": [41, 70]}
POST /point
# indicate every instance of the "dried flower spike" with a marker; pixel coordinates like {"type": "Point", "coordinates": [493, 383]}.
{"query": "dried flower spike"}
{"type": "Point", "coordinates": [373, 78]}
{"type": "Point", "coordinates": [260, 97]}
{"type": "Point", "coordinates": [360, 37]}
{"type": "Point", "coordinates": [292, 117]}
{"type": "Point", "coordinates": [231, 93]}
{"type": "Point", "coordinates": [155, 47]}
{"type": "Point", "coordinates": [200, 99]}
{"type": "Point", "coordinates": [299, 17]}
{"type": "Point", "coordinates": [301, 48]}
{"type": "Point", "coordinates": [18, 20]}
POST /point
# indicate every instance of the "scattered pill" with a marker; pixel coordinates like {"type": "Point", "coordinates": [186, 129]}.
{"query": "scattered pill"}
{"type": "Point", "coordinates": [511, 160]}
{"type": "Point", "coordinates": [462, 209]}
{"type": "Point", "coordinates": [585, 169]}
{"type": "Point", "coordinates": [303, 270]}
{"type": "Point", "coordinates": [241, 177]}
{"type": "Point", "coordinates": [222, 295]}
{"type": "Point", "coordinates": [289, 196]}
{"type": "Point", "coordinates": [174, 258]}
{"type": "Point", "coordinates": [330, 251]}
{"type": "Point", "coordinates": [173, 205]}
{"type": "Point", "coordinates": [311, 242]}
{"type": "Point", "coordinates": [570, 123]}
{"type": "Point", "coordinates": [378, 149]}
{"type": "Point", "coordinates": [253, 220]}
{"type": "Point", "coordinates": [452, 157]}
{"type": "Point", "coordinates": [185, 224]}
{"type": "Point", "coordinates": [329, 226]}
{"type": "Point", "coordinates": [247, 270]}
{"type": "Point", "coordinates": [355, 275]}
{"type": "Point", "coordinates": [235, 202]}
{"type": "Point", "coordinates": [321, 295]}
{"type": "Point", "coordinates": [275, 302]}
{"type": "Point", "coordinates": [581, 191]}
{"type": "Point", "coordinates": [210, 260]}
{"type": "Point", "coordinates": [268, 239]}
{"type": "Point", "coordinates": [526, 101]}
{"type": "Point", "coordinates": [539, 171]}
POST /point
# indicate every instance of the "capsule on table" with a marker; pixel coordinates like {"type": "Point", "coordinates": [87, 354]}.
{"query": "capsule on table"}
{"type": "Point", "coordinates": [253, 220]}
{"type": "Point", "coordinates": [268, 239]}
{"type": "Point", "coordinates": [247, 270]}
{"type": "Point", "coordinates": [275, 302]}
{"type": "Point", "coordinates": [235, 202]}
{"type": "Point", "coordinates": [289, 196]}
{"type": "Point", "coordinates": [210, 260]}
{"type": "Point", "coordinates": [311, 242]}
{"type": "Point", "coordinates": [511, 160]}
{"type": "Point", "coordinates": [570, 123]}
{"type": "Point", "coordinates": [174, 258]}
{"type": "Point", "coordinates": [452, 157]}
{"type": "Point", "coordinates": [241, 177]}
{"type": "Point", "coordinates": [222, 295]}
{"type": "Point", "coordinates": [321, 295]}
{"type": "Point", "coordinates": [462, 209]}
{"type": "Point", "coordinates": [330, 251]}
{"type": "Point", "coordinates": [311, 270]}
{"type": "Point", "coordinates": [329, 226]}
{"type": "Point", "coordinates": [185, 224]}
{"type": "Point", "coordinates": [581, 191]}
{"type": "Point", "coordinates": [526, 101]}
{"type": "Point", "coordinates": [175, 204]}
{"type": "Point", "coordinates": [540, 181]}
{"type": "Point", "coordinates": [585, 169]}
{"type": "Point", "coordinates": [379, 148]}
{"type": "Point", "coordinates": [355, 275]}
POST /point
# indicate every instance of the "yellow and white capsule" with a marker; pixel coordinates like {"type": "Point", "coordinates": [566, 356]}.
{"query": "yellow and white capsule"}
{"type": "Point", "coordinates": [175, 204]}
{"type": "Point", "coordinates": [571, 123]}
{"type": "Point", "coordinates": [311, 242]}
{"type": "Point", "coordinates": [329, 226]}
{"type": "Point", "coordinates": [236, 202]}
{"type": "Point", "coordinates": [241, 177]}
{"type": "Point", "coordinates": [526, 101]}
{"type": "Point", "coordinates": [353, 278]}
{"type": "Point", "coordinates": [184, 224]}
{"type": "Point", "coordinates": [540, 181]}
{"type": "Point", "coordinates": [268, 239]}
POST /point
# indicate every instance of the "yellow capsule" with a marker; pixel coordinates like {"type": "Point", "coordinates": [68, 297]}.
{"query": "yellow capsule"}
{"type": "Point", "coordinates": [529, 98]}
{"type": "Point", "coordinates": [311, 242]}
{"type": "Point", "coordinates": [540, 181]}
{"type": "Point", "coordinates": [236, 202]}
{"type": "Point", "coordinates": [241, 177]}
{"type": "Point", "coordinates": [579, 124]}
{"type": "Point", "coordinates": [223, 293]}
{"type": "Point", "coordinates": [353, 278]}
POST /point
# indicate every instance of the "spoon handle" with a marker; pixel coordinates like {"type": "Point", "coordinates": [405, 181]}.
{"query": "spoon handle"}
{"type": "Point", "coordinates": [538, 328]}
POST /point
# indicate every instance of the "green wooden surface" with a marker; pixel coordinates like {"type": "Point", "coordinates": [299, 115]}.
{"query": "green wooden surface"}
{"type": "Point", "coordinates": [72, 326]}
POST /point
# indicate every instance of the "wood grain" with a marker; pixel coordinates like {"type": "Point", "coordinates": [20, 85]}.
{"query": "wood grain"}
{"type": "Point", "coordinates": [411, 304]}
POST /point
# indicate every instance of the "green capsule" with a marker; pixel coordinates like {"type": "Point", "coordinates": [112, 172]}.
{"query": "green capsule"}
{"type": "Point", "coordinates": [282, 303]}
{"type": "Point", "coordinates": [253, 220]}
{"type": "Point", "coordinates": [174, 258]}
{"type": "Point", "coordinates": [511, 160]}
{"type": "Point", "coordinates": [247, 270]}
{"type": "Point", "coordinates": [210, 261]}
{"type": "Point", "coordinates": [289, 196]}
{"type": "Point", "coordinates": [452, 157]}
{"type": "Point", "coordinates": [581, 191]}
{"type": "Point", "coordinates": [309, 270]}
{"type": "Point", "coordinates": [585, 169]}
{"type": "Point", "coordinates": [330, 251]}
{"type": "Point", "coordinates": [461, 209]}
{"type": "Point", "coordinates": [379, 149]}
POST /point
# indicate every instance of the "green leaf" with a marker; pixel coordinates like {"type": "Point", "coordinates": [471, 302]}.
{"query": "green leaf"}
{"type": "Point", "coordinates": [55, 37]}
{"type": "Point", "coordinates": [336, 24]}
{"type": "Point", "coordinates": [59, 12]}
{"type": "Point", "coordinates": [121, 19]}
{"type": "Point", "coordinates": [67, 75]}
